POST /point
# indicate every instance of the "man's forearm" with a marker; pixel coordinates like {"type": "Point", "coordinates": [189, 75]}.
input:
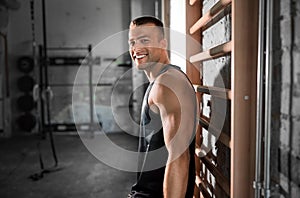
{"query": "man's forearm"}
{"type": "Point", "coordinates": [176, 177]}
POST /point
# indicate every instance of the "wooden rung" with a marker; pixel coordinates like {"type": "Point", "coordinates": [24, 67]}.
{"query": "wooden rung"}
{"type": "Point", "coordinates": [212, 53]}
{"type": "Point", "coordinates": [218, 17]}
{"type": "Point", "coordinates": [214, 91]}
{"type": "Point", "coordinates": [203, 189]}
{"type": "Point", "coordinates": [223, 138]}
{"type": "Point", "coordinates": [199, 150]}
{"type": "Point", "coordinates": [192, 2]}
{"type": "Point", "coordinates": [208, 186]}
{"type": "Point", "coordinates": [209, 15]}
{"type": "Point", "coordinates": [201, 181]}
{"type": "Point", "coordinates": [220, 179]}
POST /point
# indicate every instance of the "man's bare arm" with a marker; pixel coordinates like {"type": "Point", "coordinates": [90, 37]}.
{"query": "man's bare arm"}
{"type": "Point", "coordinates": [176, 140]}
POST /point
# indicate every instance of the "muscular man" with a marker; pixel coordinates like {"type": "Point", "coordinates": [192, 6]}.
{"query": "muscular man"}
{"type": "Point", "coordinates": [168, 117]}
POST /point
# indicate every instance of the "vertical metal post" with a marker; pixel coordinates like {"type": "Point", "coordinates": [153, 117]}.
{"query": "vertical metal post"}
{"type": "Point", "coordinates": [90, 65]}
{"type": "Point", "coordinates": [5, 84]}
{"type": "Point", "coordinates": [268, 99]}
{"type": "Point", "coordinates": [41, 82]}
{"type": "Point", "coordinates": [47, 88]}
{"type": "Point", "coordinates": [6, 69]}
{"type": "Point", "coordinates": [259, 95]}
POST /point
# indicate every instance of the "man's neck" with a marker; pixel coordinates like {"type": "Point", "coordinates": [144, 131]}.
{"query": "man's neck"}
{"type": "Point", "coordinates": [153, 71]}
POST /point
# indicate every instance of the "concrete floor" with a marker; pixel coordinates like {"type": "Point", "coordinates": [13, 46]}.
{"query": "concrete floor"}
{"type": "Point", "coordinates": [81, 176]}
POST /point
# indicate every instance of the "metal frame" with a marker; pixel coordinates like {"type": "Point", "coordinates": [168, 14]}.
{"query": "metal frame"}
{"type": "Point", "coordinates": [5, 131]}
{"type": "Point", "coordinates": [45, 87]}
{"type": "Point", "coordinates": [44, 83]}
{"type": "Point", "coordinates": [257, 184]}
{"type": "Point", "coordinates": [268, 100]}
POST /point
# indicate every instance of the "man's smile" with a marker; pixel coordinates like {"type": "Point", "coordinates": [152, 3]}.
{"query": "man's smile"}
{"type": "Point", "coordinates": [139, 56]}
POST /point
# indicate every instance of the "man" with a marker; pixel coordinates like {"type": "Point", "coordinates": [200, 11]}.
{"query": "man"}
{"type": "Point", "coordinates": [168, 117]}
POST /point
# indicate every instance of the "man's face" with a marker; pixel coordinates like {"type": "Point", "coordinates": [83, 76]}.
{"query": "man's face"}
{"type": "Point", "coordinates": [145, 45]}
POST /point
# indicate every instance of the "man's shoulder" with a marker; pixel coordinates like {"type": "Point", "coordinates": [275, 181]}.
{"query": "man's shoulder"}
{"type": "Point", "coordinates": [172, 78]}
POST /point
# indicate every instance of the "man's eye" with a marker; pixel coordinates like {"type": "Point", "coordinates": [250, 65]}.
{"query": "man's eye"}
{"type": "Point", "coordinates": [145, 41]}
{"type": "Point", "coordinates": [131, 43]}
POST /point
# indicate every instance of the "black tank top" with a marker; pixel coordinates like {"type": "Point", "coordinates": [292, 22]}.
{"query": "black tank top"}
{"type": "Point", "coordinates": [151, 138]}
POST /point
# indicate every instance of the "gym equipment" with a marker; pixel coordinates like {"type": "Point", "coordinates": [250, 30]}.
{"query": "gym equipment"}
{"type": "Point", "coordinates": [43, 63]}
{"type": "Point", "coordinates": [43, 91]}
{"type": "Point", "coordinates": [25, 83]}
{"type": "Point", "coordinates": [25, 102]}
{"type": "Point", "coordinates": [61, 86]}
{"type": "Point", "coordinates": [25, 64]}
{"type": "Point", "coordinates": [26, 122]}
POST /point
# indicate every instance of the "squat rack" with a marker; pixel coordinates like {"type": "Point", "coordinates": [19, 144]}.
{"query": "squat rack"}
{"type": "Point", "coordinates": [45, 86]}
{"type": "Point", "coordinates": [59, 61]}
{"type": "Point", "coordinates": [44, 93]}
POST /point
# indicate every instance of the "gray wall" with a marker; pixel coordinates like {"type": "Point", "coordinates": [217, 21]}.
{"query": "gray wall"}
{"type": "Point", "coordinates": [6, 7]}
{"type": "Point", "coordinates": [285, 158]}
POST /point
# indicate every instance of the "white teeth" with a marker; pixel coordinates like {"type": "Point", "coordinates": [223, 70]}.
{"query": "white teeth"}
{"type": "Point", "coordinates": [140, 56]}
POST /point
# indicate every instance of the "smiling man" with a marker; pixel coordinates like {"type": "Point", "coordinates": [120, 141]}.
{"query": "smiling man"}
{"type": "Point", "coordinates": [168, 117]}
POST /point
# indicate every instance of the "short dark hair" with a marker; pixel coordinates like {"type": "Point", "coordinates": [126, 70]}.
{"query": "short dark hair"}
{"type": "Point", "coordinates": [149, 19]}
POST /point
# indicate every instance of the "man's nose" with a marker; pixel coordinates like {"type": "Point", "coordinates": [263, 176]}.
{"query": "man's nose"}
{"type": "Point", "coordinates": [136, 46]}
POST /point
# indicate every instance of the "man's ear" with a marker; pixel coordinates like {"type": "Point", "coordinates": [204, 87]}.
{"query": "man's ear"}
{"type": "Point", "coordinates": [164, 43]}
